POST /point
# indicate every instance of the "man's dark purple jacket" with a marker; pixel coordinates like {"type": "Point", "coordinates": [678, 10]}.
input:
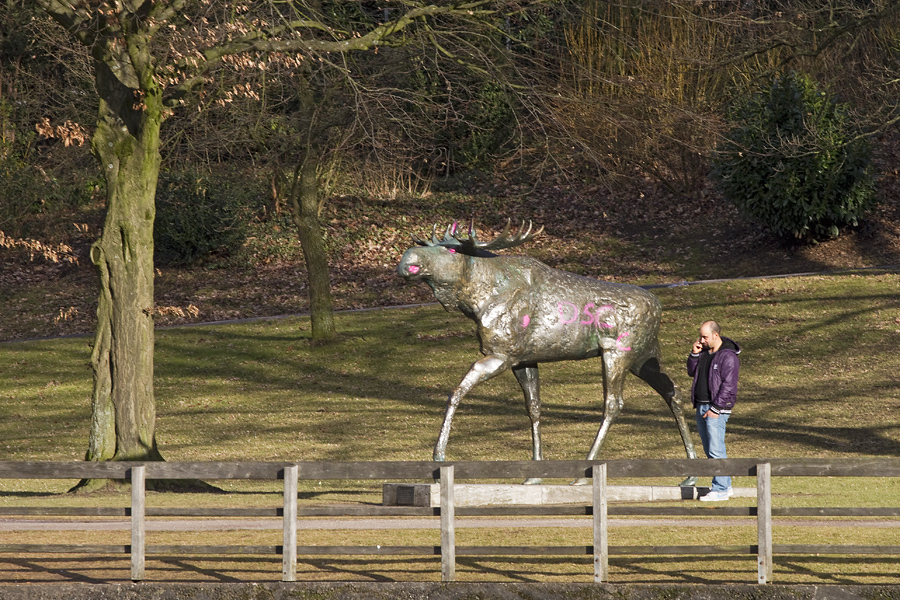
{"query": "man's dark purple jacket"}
{"type": "Point", "coordinates": [723, 375]}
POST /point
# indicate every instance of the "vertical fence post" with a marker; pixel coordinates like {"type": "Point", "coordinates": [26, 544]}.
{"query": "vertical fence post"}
{"type": "Point", "coordinates": [764, 521]}
{"type": "Point", "coordinates": [601, 524]}
{"type": "Point", "coordinates": [289, 547]}
{"type": "Point", "coordinates": [448, 525]}
{"type": "Point", "coordinates": [138, 529]}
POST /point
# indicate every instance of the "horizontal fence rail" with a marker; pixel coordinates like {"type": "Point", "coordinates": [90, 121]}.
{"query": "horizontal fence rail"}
{"type": "Point", "coordinates": [598, 472]}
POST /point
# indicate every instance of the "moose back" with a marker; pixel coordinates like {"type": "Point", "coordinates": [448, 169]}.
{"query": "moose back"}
{"type": "Point", "coordinates": [528, 313]}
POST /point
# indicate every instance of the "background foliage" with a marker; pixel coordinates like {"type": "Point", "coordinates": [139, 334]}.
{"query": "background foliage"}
{"type": "Point", "coordinates": [795, 161]}
{"type": "Point", "coordinates": [615, 91]}
{"type": "Point", "coordinates": [198, 216]}
{"type": "Point", "coordinates": [600, 95]}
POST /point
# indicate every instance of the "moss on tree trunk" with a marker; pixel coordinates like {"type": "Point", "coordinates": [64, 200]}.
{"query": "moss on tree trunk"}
{"type": "Point", "coordinates": [126, 143]}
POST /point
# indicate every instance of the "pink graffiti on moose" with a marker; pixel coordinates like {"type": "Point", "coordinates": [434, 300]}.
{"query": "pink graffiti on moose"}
{"type": "Point", "coordinates": [525, 321]}
{"type": "Point", "coordinates": [587, 317]}
{"type": "Point", "coordinates": [620, 344]}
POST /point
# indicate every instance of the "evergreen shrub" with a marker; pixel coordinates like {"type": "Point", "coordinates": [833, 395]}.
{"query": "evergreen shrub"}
{"type": "Point", "coordinates": [794, 161]}
{"type": "Point", "coordinates": [19, 194]}
{"type": "Point", "coordinates": [198, 216]}
{"type": "Point", "coordinates": [489, 128]}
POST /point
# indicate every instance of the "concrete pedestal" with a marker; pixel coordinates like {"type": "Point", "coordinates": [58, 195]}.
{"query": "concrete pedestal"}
{"type": "Point", "coordinates": [428, 494]}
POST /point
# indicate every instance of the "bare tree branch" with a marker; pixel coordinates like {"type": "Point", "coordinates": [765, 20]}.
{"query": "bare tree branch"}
{"type": "Point", "coordinates": [270, 40]}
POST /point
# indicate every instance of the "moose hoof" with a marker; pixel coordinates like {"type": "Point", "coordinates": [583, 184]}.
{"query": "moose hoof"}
{"type": "Point", "coordinates": [581, 481]}
{"type": "Point", "coordinates": [533, 481]}
{"type": "Point", "coordinates": [689, 482]}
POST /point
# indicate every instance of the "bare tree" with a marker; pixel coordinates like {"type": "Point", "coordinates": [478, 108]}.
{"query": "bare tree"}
{"type": "Point", "coordinates": [382, 113]}
{"type": "Point", "coordinates": [149, 57]}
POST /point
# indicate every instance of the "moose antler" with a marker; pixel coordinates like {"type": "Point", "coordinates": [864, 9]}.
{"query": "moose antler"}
{"type": "Point", "coordinates": [504, 240]}
{"type": "Point", "coordinates": [449, 237]}
{"type": "Point", "coordinates": [471, 244]}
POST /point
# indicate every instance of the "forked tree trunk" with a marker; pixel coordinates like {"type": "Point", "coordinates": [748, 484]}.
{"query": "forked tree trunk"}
{"type": "Point", "coordinates": [305, 205]}
{"type": "Point", "coordinates": [127, 145]}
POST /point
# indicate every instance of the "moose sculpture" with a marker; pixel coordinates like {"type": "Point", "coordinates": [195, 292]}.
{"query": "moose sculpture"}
{"type": "Point", "coordinates": [528, 313]}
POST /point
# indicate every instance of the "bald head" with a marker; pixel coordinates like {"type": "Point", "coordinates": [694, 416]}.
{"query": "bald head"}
{"type": "Point", "coordinates": [709, 336]}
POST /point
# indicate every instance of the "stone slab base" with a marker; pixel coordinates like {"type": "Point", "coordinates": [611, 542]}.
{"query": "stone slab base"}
{"type": "Point", "coordinates": [487, 494]}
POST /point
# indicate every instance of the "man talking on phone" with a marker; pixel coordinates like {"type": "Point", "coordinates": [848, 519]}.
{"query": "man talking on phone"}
{"type": "Point", "coordinates": [714, 365]}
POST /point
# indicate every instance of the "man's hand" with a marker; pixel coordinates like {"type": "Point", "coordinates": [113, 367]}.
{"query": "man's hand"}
{"type": "Point", "coordinates": [711, 415]}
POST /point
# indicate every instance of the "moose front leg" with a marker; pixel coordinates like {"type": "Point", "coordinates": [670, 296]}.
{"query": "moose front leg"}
{"type": "Point", "coordinates": [481, 370]}
{"type": "Point", "coordinates": [527, 376]}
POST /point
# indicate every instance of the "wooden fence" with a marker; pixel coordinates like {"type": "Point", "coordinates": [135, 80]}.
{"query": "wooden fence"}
{"type": "Point", "coordinates": [598, 471]}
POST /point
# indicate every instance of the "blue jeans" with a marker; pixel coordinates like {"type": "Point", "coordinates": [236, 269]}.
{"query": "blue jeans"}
{"type": "Point", "coordinates": [712, 434]}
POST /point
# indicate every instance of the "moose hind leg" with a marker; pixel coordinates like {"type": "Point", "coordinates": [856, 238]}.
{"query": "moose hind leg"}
{"type": "Point", "coordinates": [651, 372]}
{"type": "Point", "coordinates": [527, 376]}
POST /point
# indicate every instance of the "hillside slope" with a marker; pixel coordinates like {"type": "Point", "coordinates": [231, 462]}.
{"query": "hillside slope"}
{"type": "Point", "coordinates": [640, 235]}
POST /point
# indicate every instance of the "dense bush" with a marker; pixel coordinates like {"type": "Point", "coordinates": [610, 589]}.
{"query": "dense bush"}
{"type": "Point", "coordinates": [795, 162]}
{"type": "Point", "coordinates": [201, 215]}
{"type": "Point", "coordinates": [36, 192]}
{"type": "Point", "coordinates": [489, 128]}
{"type": "Point", "coordinates": [19, 192]}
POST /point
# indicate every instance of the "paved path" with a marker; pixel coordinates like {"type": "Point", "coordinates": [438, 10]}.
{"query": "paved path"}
{"type": "Point", "coordinates": [99, 524]}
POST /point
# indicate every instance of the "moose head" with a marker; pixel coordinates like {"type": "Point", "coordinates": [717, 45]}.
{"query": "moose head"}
{"type": "Point", "coordinates": [444, 263]}
{"type": "Point", "coordinates": [528, 313]}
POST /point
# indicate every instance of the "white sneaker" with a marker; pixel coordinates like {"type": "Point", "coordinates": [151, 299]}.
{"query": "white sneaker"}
{"type": "Point", "coordinates": [715, 497]}
{"type": "Point", "coordinates": [730, 492]}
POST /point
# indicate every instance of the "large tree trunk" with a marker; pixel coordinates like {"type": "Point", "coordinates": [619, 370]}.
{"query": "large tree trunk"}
{"type": "Point", "coordinates": [127, 145]}
{"type": "Point", "coordinates": [305, 204]}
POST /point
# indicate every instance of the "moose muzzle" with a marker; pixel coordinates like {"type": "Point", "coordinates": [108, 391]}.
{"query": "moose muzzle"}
{"type": "Point", "coordinates": [409, 266]}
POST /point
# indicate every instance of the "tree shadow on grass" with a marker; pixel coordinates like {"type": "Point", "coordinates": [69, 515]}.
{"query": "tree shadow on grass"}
{"type": "Point", "coordinates": [832, 569]}
{"type": "Point", "coordinates": [412, 397]}
{"type": "Point", "coordinates": [526, 570]}
{"type": "Point", "coordinates": [409, 363]}
{"type": "Point", "coordinates": [37, 569]}
{"type": "Point", "coordinates": [685, 569]}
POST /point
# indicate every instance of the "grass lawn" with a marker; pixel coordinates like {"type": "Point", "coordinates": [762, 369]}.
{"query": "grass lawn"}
{"type": "Point", "coordinates": [819, 378]}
